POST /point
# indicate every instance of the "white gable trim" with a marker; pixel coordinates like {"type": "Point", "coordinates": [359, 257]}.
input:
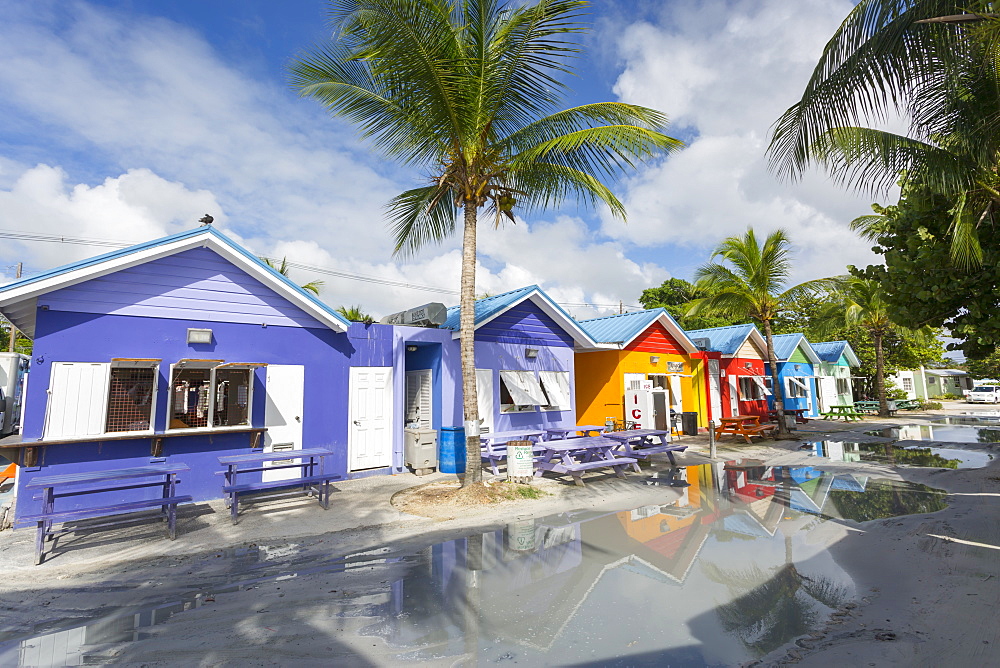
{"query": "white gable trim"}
{"type": "Point", "coordinates": [580, 337]}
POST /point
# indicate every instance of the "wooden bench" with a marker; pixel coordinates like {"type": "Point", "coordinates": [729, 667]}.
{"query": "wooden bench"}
{"type": "Point", "coordinates": [311, 480]}
{"type": "Point", "coordinates": [746, 431]}
{"type": "Point", "coordinates": [160, 477]}
{"type": "Point", "coordinates": [168, 508]}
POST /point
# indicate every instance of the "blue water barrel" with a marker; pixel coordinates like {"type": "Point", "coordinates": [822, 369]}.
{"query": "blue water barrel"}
{"type": "Point", "coordinates": [451, 454]}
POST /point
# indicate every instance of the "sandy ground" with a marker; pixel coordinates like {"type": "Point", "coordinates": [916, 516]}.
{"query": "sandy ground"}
{"type": "Point", "coordinates": [929, 585]}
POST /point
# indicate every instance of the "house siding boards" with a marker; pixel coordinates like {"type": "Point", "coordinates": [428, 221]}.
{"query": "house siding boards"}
{"type": "Point", "coordinates": [750, 351]}
{"type": "Point", "coordinates": [656, 339]}
{"type": "Point", "coordinates": [196, 284]}
{"type": "Point", "coordinates": [524, 324]}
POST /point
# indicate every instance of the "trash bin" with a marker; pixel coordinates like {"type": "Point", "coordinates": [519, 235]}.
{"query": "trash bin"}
{"type": "Point", "coordinates": [689, 423]}
{"type": "Point", "coordinates": [452, 451]}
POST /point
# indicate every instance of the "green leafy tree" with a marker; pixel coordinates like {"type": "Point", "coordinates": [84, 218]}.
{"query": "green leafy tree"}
{"type": "Point", "coordinates": [901, 57]}
{"type": "Point", "coordinates": [675, 296]}
{"type": "Point", "coordinates": [921, 283]}
{"type": "Point", "coordinates": [985, 367]}
{"type": "Point", "coordinates": [862, 303]}
{"type": "Point", "coordinates": [468, 91]}
{"type": "Point", "coordinates": [282, 268]}
{"type": "Point", "coordinates": [750, 283]}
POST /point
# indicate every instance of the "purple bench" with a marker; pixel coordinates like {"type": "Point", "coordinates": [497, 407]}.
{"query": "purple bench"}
{"type": "Point", "coordinates": [312, 481]}
{"type": "Point", "coordinates": [94, 482]}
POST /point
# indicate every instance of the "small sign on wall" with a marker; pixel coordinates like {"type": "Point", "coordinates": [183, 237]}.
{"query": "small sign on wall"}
{"type": "Point", "coordinates": [675, 367]}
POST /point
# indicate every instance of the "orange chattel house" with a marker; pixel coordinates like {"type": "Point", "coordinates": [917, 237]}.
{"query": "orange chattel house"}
{"type": "Point", "coordinates": [642, 350]}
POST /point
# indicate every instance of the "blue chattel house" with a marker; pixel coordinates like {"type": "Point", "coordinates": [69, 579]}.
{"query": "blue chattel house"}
{"type": "Point", "coordinates": [188, 348]}
{"type": "Point", "coordinates": [797, 364]}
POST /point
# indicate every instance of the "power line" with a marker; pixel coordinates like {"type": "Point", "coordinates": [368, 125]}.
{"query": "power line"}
{"type": "Point", "coordinates": [106, 243]}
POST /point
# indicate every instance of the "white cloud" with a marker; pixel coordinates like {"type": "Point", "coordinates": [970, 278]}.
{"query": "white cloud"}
{"type": "Point", "coordinates": [725, 71]}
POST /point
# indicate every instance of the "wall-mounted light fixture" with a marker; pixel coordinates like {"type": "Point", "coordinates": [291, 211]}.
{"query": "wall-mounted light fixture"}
{"type": "Point", "coordinates": [747, 365]}
{"type": "Point", "coordinates": [531, 353]}
{"type": "Point", "coordinates": [199, 336]}
{"type": "Point", "coordinates": [411, 349]}
{"type": "Point", "coordinates": [654, 359]}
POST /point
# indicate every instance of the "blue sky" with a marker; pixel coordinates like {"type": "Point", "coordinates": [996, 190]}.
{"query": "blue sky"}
{"type": "Point", "coordinates": [130, 119]}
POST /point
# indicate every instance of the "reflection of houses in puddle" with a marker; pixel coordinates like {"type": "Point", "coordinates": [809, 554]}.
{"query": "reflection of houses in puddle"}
{"type": "Point", "coordinates": [535, 577]}
{"type": "Point", "coordinates": [811, 489]}
{"type": "Point", "coordinates": [838, 451]}
{"type": "Point", "coordinates": [752, 487]}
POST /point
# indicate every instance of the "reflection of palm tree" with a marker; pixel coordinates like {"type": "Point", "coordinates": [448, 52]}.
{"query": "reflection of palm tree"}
{"type": "Point", "coordinates": [766, 616]}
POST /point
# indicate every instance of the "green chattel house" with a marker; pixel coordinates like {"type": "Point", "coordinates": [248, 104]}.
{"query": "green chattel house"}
{"type": "Point", "coordinates": [833, 373]}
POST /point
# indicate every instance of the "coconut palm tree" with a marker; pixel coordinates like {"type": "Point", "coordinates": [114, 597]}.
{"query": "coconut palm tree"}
{"type": "Point", "coordinates": [355, 314]}
{"type": "Point", "coordinates": [282, 268]}
{"type": "Point", "coordinates": [940, 72]}
{"type": "Point", "coordinates": [861, 302]}
{"type": "Point", "coordinates": [468, 91]}
{"type": "Point", "coordinates": [751, 285]}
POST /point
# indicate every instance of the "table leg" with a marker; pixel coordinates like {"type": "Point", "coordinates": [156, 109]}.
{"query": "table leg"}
{"type": "Point", "coordinates": [48, 505]}
{"type": "Point", "coordinates": [40, 542]}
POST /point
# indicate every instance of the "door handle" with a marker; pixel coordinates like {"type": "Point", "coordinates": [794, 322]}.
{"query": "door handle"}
{"type": "Point", "coordinates": [357, 423]}
{"type": "Point", "coordinates": [298, 419]}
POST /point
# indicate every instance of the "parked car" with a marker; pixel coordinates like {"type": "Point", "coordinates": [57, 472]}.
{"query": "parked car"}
{"type": "Point", "coordinates": [985, 394]}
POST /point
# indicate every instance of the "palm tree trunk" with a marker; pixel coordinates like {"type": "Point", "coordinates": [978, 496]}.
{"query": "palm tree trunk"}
{"type": "Point", "coordinates": [883, 405]}
{"type": "Point", "coordinates": [776, 389]}
{"type": "Point", "coordinates": [467, 344]}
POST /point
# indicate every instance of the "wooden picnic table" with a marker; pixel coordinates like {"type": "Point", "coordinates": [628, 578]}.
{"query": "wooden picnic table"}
{"type": "Point", "coordinates": [494, 444]}
{"type": "Point", "coordinates": [161, 477]}
{"type": "Point", "coordinates": [799, 413]}
{"type": "Point", "coordinates": [312, 480]}
{"type": "Point", "coordinates": [556, 433]}
{"type": "Point", "coordinates": [643, 443]}
{"type": "Point", "coordinates": [746, 426]}
{"type": "Point", "coordinates": [846, 411]}
{"type": "Point", "coordinates": [573, 456]}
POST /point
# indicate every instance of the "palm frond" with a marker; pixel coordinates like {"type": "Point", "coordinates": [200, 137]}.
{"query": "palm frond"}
{"type": "Point", "coordinates": [420, 216]}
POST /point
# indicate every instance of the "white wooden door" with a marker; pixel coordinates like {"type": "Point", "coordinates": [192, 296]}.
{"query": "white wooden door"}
{"type": "Point", "coordinates": [484, 399]}
{"type": "Point", "coordinates": [827, 393]}
{"type": "Point", "coordinates": [369, 440]}
{"type": "Point", "coordinates": [77, 401]}
{"type": "Point", "coordinates": [419, 401]}
{"type": "Point", "coordinates": [285, 385]}
{"type": "Point", "coordinates": [715, 389]}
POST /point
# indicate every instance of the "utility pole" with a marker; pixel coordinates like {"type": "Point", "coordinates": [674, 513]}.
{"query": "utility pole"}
{"type": "Point", "coordinates": [621, 308]}
{"type": "Point", "coordinates": [13, 330]}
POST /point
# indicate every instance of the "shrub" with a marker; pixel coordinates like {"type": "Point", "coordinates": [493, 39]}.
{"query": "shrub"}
{"type": "Point", "coordinates": [931, 405]}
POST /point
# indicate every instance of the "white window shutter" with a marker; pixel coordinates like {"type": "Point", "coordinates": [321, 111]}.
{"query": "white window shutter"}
{"type": "Point", "coordinates": [484, 398]}
{"type": "Point", "coordinates": [77, 402]}
{"type": "Point", "coordinates": [418, 398]}
{"type": "Point", "coordinates": [556, 385]}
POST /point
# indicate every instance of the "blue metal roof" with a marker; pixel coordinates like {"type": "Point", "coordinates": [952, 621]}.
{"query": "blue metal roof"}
{"type": "Point", "coordinates": [622, 327]}
{"type": "Point", "coordinates": [726, 340]}
{"type": "Point", "coordinates": [205, 230]}
{"type": "Point", "coordinates": [830, 351]}
{"type": "Point", "coordinates": [785, 345]}
{"type": "Point", "coordinates": [488, 307]}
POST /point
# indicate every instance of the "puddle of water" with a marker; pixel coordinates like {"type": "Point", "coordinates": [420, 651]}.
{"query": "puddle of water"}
{"type": "Point", "coordinates": [950, 433]}
{"type": "Point", "coordinates": [719, 572]}
{"type": "Point", "coordinates": [970, 419]}
{"type": "Point", "coordinates": [895, 455]}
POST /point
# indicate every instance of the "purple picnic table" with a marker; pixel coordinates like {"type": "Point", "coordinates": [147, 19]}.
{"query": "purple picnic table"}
{"type": "Point", "coordinates": [642, 443]}
{"type": "Point", "coordinates": [495, 444]}
{"type": "Point", "coordinates": [557, 433]}
{"type": "Point", "coordinates": [573, 456]}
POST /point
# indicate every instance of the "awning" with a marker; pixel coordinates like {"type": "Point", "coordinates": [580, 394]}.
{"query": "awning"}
{"type": "Point", "coordinates": [556, 386]}
{"type": "Point", "coordinates": [134, 363]}
{"type": "Point", "coordinates": [197, 364]}
{"type": "Point", "coordinates": [524, 388]}
{"type": "Point", "coordinates": [240, 365]}
{"type": "Point", "coordinates": [798, 382]}
{"type": "Point", "coordinates": [763, 387]}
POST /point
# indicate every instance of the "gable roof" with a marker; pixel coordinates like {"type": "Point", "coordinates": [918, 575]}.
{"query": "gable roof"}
{"type": "Point", "coordinates": [832, 351]}
{"type": "Point", "coordinates": [18, 299]}
{"type": "Point", "coordinates": [490, 307]}
{"type": "Point", "coordinates": [728, 340]}
{"type": "Point", "coordinates": [621, 329]}
{"type": "Point", "coordinates": [785, 345]}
